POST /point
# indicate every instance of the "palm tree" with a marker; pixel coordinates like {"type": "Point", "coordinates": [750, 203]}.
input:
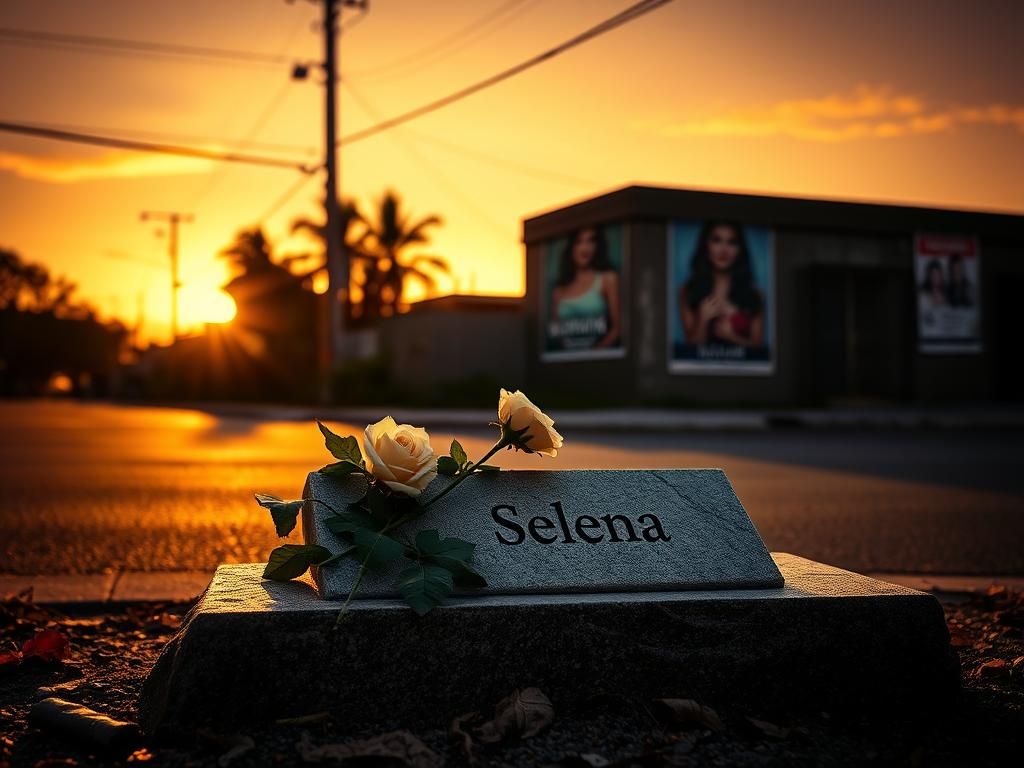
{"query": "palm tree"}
{"type": "Point", "coordinates": [353, 235]}
{"type": "Point", "coordinates": [391, 236]}
{"type": "Point", "coordinates": [377, 250]}
{"type": "Point", "coordinates": [251, 252]}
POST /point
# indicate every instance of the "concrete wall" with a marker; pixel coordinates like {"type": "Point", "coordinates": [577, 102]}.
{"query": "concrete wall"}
{"type": "Point", "coordinates": [426, 348]}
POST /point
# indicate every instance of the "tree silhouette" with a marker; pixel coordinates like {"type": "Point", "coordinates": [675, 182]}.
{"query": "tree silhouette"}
{"type": "Point", "coordinates": [378, 250]}
{"type": "Point", "coordinates": [392, 234]}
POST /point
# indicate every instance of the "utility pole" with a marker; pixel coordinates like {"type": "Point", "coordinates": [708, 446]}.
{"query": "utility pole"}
{"type": "Point", "coordinates": [337, 263]}
{"type": "Point", "coordinates": [337, 258]}
{"type": "Point", "coordinates": [173, 219]}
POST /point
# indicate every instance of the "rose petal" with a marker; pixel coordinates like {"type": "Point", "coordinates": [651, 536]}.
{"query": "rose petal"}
{"type": "Point", "coordinates": [373, 461]}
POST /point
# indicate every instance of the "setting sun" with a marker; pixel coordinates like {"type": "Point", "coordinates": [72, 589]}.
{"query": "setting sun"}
{"type": "Point", "coordinates": [202, 304]}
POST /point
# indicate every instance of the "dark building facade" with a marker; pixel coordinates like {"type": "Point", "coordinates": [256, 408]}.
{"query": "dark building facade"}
{"type": "Point", "coordinates": [672, 296]}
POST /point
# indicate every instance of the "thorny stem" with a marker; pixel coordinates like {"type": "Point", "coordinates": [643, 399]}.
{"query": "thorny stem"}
{"type": "Point", "coordinates": [502, 443]}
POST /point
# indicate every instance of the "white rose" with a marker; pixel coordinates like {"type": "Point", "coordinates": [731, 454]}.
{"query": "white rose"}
{"type": "Point", "coordinates": [516, 412]}
{"type": "Point", "coordinates": [400, 456]}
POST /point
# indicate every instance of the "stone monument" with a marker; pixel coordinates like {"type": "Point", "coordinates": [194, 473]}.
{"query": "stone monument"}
{"type": "Point", "coordinates": [642, 583]}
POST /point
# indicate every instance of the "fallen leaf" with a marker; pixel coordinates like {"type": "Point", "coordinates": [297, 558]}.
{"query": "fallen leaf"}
{"type": "Point", "coordinates": [48, 645]}
{"type": "Point", "coordinates": [993, 668]}
{"type": "Point", "coordinates": [771, 730]}
{"type": "Point", "coordinates": [11, 656]}
{"type": "Point", "coordinates": [458, 733]}
{"type": "Point", "coordinates": [519, 715]}
{"type": "Point", "coordinates": [688, 713]}
{"type": "Point", "coordinates": [241, 745]}
{"type": "Point", "coordinates": [396, 745]}
{"type": "Point", "coordinates": [585, 760]}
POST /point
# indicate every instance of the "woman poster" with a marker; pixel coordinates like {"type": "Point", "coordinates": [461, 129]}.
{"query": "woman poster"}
{"type": "Point", "coordinates": [720, 298]}
{"type": "Point", "coordinates": [583, 294]}
{"type": "Point", "coordinates": [947, 270]}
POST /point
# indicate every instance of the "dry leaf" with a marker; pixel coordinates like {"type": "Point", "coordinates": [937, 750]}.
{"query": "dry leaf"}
{"type": "Point", "coordinates": [242, 744]}
{"type": "Point", "coordinates": [688, 713]}
{"type": "Point", "coordinates": [396, 745]}
{"type": "Point", "coordinates": [459, 733]}
{"type": "Point", "coordinates": [771, 730]}
{"type": "Point", "coordinates": [11, 656]}
{"type": "Point", "coordinates": [993, 668]}
{"type": "Point", "coordinates": [519, 715]}
{"type": "Point", "coordinates": [48, 645]}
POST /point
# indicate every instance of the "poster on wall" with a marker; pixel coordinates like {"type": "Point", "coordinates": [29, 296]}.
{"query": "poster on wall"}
{"type": "Point", "coordinates": [721, 313]}
{"type": "Point", "coordinates": [946, 270]}
{"type": "Point", "coordinates": [582, 295]}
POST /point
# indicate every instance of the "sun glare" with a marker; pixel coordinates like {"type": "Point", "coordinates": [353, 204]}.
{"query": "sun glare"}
{"type": "Point", "coordinates": [199, 305]}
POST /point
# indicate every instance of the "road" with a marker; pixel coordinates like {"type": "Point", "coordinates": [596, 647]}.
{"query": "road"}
{"type": "Point", "coordinates": [92, 487]}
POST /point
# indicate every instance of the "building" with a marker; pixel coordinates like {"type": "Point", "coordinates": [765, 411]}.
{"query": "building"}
{"type": "Point", "coordinates": [454, 347]}
{"type": "Point", "coordinates": [648, 295]}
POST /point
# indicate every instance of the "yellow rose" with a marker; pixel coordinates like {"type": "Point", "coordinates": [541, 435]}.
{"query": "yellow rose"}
{"type": "Point", "coordinates": [400, 456]}
{"type": "Point", "coordinates": [516, 412]}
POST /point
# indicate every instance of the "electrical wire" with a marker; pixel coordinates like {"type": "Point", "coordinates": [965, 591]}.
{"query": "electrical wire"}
{"type": "Point", "coordinates": [503, 162]}
{"type": "Point", "coordinates": [625, 16]}
{"type": "Point", "coordinates": [125, 46]}
{"type": "Point", "coordinates": [432, 172]}
{"type": "Point", "coordinates": [288, 194]}
{"type": "Point", "coordinates": [179, 138]}
{"type": "Point", "coordinates": [139, 146]}
{"type": "Point", "coordinates": [261, 120]}
{"type": "Point", "coordinates": [431, 54]}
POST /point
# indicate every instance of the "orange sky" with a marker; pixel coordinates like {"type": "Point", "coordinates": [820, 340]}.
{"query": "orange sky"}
{"type": "Point", "coordinates": [918, 102]}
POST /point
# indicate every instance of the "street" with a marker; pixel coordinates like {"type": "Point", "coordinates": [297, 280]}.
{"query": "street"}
{"type": "Point", "coordinates": [92, 487]}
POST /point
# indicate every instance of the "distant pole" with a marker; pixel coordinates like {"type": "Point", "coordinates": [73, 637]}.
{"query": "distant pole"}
{"type": "Point", "coordinates": [173, 219]}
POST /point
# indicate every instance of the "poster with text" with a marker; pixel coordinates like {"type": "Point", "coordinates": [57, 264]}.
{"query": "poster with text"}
{"type": "Point", "coordinates": [721, 313]}
{"type": "Point", "coordinates": [946, 271]}
{"type": "Point", "coordinates": [583, 296]}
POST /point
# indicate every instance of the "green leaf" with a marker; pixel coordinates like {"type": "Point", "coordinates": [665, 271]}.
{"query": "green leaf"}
{"type": "Point", "coordinates": [465, 576]}
{"type": "Point", "coordinates": [447, 466]}
{"type": "Point", "coordinates": [451, 554]}
{"type": "Point", "coordinates": [375, 549]}
{"type": "Point", "coordinates": [352, 519]}
{"type": "Point", "coordinates": [284, 513]}
{"type": "Point", "coordinates": [458, 453]}
{"type": "Point", "coordinates": [487, 468]}
{"type": "Point", "coordinates": [342, 448]}
{"type": "Point", "coordinates": [429, 543]}
{"type": "Point", "coordinates": [425, 585]}
{"type": "Point", "coordinates": [291, 560]}
{"type": "Point", "coordinates": [340, 469]}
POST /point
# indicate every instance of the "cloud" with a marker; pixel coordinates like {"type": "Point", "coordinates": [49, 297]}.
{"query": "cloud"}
{"type": "Point", "coordinates": [112, 165]}
{"type": "Point", "coordinates": [867, 112]}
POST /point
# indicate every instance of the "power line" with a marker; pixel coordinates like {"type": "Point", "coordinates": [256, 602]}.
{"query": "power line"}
{"type": "Point", "coordinates": [177, 138]}
{"type": "Point", "coordinates": [288, 194]}
{"type": "Point", "coordinates": [504, 162]}
{"type": "Point", "coordinates": [629, 14]}
{"type": "Point", "coordinates": [433, 173]}
{"type": "Point", "coordinates": [166, 149]}
{"type": "Point", "coordinates": [443, 47]}
{"type": "Point", "coordinates": [97, 44]}
{"type": "Point", "coordinates": [261, 120]}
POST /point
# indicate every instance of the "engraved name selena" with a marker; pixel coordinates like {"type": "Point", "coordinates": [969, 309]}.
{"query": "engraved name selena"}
{"type": "Point", "coordinates": [587, 528]}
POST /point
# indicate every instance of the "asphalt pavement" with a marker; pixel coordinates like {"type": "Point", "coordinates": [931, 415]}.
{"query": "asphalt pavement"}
{"type": "Point", "coordinates": [99, 488]}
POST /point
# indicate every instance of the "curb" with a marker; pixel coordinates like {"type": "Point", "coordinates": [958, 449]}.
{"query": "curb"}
{"type": "Point", "coordinates": [644, 419]}
{"type": "Point", "coordinates": [185, 586]}
{"type": "Point", "coordinates": [107, 588]}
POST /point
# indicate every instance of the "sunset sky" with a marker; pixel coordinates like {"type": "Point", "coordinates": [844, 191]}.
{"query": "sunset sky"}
{"type": "Point", "coordinates": [910, 102]}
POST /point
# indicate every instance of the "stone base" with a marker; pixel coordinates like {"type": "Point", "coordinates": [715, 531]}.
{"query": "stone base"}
{"type": "Point", "coordinates": [254, 650]}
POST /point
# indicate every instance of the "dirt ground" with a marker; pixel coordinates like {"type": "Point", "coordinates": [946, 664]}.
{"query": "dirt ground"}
{"type": "Point", "coordinates": [111, 650]}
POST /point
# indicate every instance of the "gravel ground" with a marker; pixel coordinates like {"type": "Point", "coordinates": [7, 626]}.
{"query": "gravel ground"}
{"type": "Point", "coordinates": [111, 651]}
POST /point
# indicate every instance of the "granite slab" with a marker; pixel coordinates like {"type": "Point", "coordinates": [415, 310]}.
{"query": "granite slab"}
{"type": "Point", "coordinates": [539, 532]}
{"type": "Point", "coordinates": [254, 650]}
